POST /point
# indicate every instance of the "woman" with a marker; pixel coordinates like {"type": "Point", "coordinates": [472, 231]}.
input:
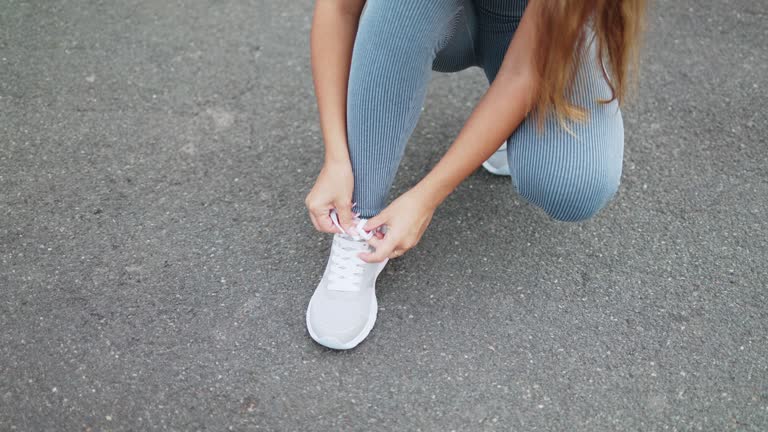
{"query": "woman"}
{"type": "Point", "coordinates": [558, 71]}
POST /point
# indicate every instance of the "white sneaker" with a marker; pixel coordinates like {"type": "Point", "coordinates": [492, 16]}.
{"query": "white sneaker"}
{"type": "Point", "coordinates": [498, 163]}
{"type": "Point", "coordinates": [342, 311]}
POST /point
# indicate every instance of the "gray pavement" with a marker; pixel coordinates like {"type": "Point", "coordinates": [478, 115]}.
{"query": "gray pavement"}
{"type": "Point", "coordinates": [156, 261]}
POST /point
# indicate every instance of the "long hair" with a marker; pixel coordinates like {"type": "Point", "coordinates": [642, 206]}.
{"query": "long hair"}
{"type": "Point", "coordinates": [617, 27]}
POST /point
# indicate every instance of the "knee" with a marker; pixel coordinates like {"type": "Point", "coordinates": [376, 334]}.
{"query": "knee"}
{"type": "Point", "coordinates": [570, 198]}
{"type": "Point", "coordinates": [388, 27]}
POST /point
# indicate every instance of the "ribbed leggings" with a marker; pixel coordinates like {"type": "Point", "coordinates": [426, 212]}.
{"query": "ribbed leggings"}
{"type": "Point", "coordinates": [398, 44]}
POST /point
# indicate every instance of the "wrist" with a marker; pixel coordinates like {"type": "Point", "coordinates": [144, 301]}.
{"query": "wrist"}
{"type": "Point", "coordinates": [432, 192]}
{"type": "Point", "coordinates": [337, 158]}
{"type": "Point", "coordinates": [337, 165]}
{"type": "Point", "coordinates": [336, 148]}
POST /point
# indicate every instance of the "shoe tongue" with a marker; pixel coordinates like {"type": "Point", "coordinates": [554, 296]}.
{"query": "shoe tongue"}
{"type": "Point", "coordinates": [355, 242]}
{"type": "Point", "coordinates": [345, 265]}
{"type": "Point", "coordinates": [353, 236]}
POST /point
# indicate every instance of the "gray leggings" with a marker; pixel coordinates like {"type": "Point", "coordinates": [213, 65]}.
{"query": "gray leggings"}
{"type": "Point", "coordinates": [400, 42]}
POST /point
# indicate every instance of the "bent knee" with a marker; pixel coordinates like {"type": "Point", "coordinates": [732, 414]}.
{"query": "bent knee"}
{"type": "Point", "coordinates": [571, 199]}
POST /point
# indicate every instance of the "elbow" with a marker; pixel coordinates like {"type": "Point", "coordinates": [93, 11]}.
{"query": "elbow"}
{"type": "Point", "coordinates": [522, 82]}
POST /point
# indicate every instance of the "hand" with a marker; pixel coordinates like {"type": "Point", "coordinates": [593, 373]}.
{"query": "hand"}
{"type": "Point", "coordinates": [406, 219]}
{"type": "Point", "coordinates": [332, 189]}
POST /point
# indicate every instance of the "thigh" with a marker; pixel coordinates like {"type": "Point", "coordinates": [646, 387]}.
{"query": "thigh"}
{"type": "Point", "coordinates": [571, 174]}
{"type": "Point", "coordinates": [497, 21]}
{"type": "Point", "coordinates": [457, 50]}
{"type": "Point", "coordinates": [409, 23]}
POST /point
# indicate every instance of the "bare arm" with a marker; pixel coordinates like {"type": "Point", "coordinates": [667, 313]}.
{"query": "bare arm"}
{"type": "Point", "coordinates": [499, 112]}
{"type": "Point", "coordinates": [334, 27]}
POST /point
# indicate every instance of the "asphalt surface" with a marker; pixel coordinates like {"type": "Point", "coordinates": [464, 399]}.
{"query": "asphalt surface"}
{"type": "Point", "coordinates": [156, 261]}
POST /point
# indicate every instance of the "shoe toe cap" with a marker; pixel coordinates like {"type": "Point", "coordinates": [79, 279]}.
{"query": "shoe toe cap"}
{"type": "Point", "coordinates": [342, 329]}
{"type": "Point", "coordinates": [333, 343]}
{"type": "Point", "coordinates": [336, 327]}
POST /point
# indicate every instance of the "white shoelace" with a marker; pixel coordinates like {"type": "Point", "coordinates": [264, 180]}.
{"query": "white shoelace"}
{"type": "Point", "coordinates": [346, 269]}
{"type": "Point", "coordinates": [361, 233]}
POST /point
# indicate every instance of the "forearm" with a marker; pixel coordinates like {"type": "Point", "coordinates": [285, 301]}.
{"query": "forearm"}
{"type": "Point", "coordinates": [499, 112]}
{"type": "Point", "coordinates": [334, 27]}
{"type": "Point", "coordinates": [497, 115]}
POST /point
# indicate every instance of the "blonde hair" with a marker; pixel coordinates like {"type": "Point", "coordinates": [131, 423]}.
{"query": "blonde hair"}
{"type": "Point", "coordinates": [617, 27]}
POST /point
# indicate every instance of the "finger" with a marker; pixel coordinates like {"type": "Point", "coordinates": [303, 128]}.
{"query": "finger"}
{"type": "Point", "coordinates": [397, 253]}
{"type": "Point", "coordinates": [345, 214]}
{"type": "Point", "coordinates": [382, 252]}
{"type": "Point", "coordinates": [314, 221]}
{"type": "Point", "coordinates": [375, 242]}
{"type": "Point", "coordinates": [324, 222]}
{"type": "Point", "coordinates": [375, 222]}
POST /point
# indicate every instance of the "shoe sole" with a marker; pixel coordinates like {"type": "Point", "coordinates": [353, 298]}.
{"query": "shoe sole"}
{"type": "Point", "coordinates": [495, 171]}
{"type": "Point", "coordinates": [498, 171]}
{"type": "Point", "coordinates": [335, 344]}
